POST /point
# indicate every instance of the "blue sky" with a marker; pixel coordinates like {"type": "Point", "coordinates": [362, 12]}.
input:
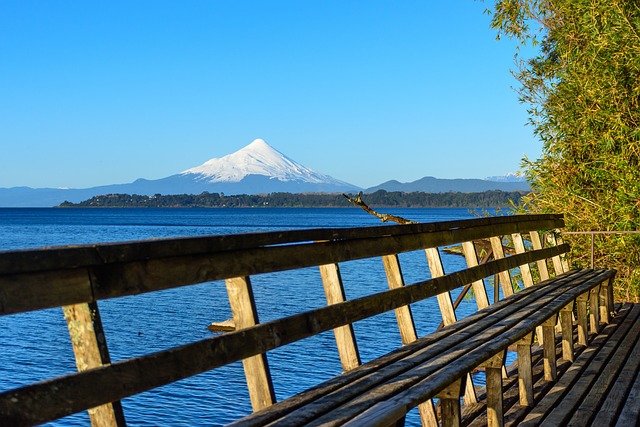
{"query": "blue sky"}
{"type": "Point", "coordinates": [105, 92]}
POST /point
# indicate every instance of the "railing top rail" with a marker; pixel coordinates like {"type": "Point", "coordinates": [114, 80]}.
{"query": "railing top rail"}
{"type": "Point", "coordinates": [71, 257]}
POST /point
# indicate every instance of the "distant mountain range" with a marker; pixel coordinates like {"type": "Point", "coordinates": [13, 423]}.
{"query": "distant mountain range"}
{"type": "Point", "coordinates": [429, 184]}
{"type": "Point", "coordinates": [257, 168]}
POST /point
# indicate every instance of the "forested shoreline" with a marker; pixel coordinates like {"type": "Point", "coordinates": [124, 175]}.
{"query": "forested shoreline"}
{"type": "Point", "coordinates": [381, 198]}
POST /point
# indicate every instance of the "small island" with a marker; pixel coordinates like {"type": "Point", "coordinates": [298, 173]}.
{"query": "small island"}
{"type": "Point", "coordinates": [381, 199]}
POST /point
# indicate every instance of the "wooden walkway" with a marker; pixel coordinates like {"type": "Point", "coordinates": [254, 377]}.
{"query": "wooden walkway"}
{"type": "Point", "coordinates": [600, 388]}
{"type": "Point", "coordinates": [588, 375]}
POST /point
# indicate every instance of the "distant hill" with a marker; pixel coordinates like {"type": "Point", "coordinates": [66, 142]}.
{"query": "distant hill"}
{"type": "Point", "coordinates": [430, 184]}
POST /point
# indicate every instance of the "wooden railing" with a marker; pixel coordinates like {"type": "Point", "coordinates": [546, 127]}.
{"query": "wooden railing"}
{"type": "Point", "coordinates": [77, 278]}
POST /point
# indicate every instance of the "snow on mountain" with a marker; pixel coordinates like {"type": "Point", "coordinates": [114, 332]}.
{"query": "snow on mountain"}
{"type": "Point", "coordinates": [257, 158]}
{"type": "Point", "coordinates": [508, 177]}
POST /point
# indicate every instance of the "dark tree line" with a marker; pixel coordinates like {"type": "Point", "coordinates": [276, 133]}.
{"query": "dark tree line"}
{"type": "Point", "coordinates": [381, 198]}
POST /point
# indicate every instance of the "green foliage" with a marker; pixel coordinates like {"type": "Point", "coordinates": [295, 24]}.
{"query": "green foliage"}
{"type": "Point", "coordinates": [380, 198]}
{"type": "Point", "coordinates": [583, 93]}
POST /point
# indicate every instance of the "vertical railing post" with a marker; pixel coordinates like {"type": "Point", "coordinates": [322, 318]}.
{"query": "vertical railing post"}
{"type": "Point", "coordinates": [536, 242]}
{"type": "Point", "coordinates": [493, 373]}
{"type": "Point", "coordinates": [566, 323]}
{"type": "Point", "coordinates": [448, 313]}
{"type": "Point", "coordinates": [345, 336]}
{"type": "Point", "coordinates": [582, 320]}
{"type": "Point", "coordinates": [479, 291]}
{"type": "Point", "coordinates": [256, 368]}
{"type": "Point", "coordinates": [549, 348]}
{"type": "Point", "coordinates": [505, 277]}
{"type": "Point", "coordinates": [450, 403]}
{"type": "Point", "coordinates": [594, 309]}
{"type": "Point", "coordinates": [407, 328]}
{"type": "Point", "coordinates": [90, 350]}
{"type": "Point", "coordinates": [525, 370]}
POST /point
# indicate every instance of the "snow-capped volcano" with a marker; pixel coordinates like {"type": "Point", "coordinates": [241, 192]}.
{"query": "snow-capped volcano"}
{"type": "Point", "coordinates": [258, 158]}
{"type": "Point", "coordinates": [258, 168]}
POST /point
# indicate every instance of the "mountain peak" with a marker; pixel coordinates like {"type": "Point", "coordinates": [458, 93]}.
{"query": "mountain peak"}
{"type": "Point", "coordinates": [257, 158]}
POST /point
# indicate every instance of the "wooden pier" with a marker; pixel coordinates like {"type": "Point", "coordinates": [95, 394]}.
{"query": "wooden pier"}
{"type": "Point", "coordinates": [578, 354]}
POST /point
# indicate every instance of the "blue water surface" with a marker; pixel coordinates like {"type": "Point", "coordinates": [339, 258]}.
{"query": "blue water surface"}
{"type": "Point", "coordinates": [35, 346]}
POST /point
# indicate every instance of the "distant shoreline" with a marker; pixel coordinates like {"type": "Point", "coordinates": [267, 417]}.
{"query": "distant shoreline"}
{"type": "Point", "coordinates": [378, 199]}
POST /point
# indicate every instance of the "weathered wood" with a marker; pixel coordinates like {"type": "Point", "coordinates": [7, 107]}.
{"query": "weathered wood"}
{"type": "Point", "coordinates": [448, 312]}
{"type": "Point", "coordinates": [536, 242]}
{"type": "Point", "coordinates": [450, 403]}
{"type": "Point", "coordinates": [580, 384]}
{"type": "Point", "coordinates": [493, 372]}
{"type": "Point", "coordinates": [405, 392]}
{"type": "Point", "coordinates": [594, 310]}
{"type": "Point", "coordinates": [479, 291]}
{"type": "Point", "coordinates": [525, 269]}
{"type": "Point", "coordinates": [604, 379]}
{"type": "Point", "coordinates": [141, 373]}
{"type": "Point", "coordinates": [606, 298]}
{"type": "Point", "coordinates": [630, 415]}
{"type": "Point", "coordinates": [505, 277]}
{"type": "Point", "coordinates": [549, 346]}
{"type": "Point", "coordinates": [616, 396]}
{"type": "Point", "coordinates": [256, 368]}
{"type": "Point", "coordinates": [312, 404]}
{"type": "Point", "coordinates": [403, 314]}
{"type": "Point", "coordinates": [90, 350]}
{"type": "Point", "coordinates": [525, 370]}
{"type": "Point", "coordinates": [79, 256]}
{"type": "Point", "coordinates": [345, 336]}
{"type": "Point", "coordinates": [558, 262]}
{"type": "Point", "coordinates": [139, 273]}
{"type": "Point", "coordinates": [566, 322]}
{"type": "Point", "coordinates": [582, 319]}
{"type": "Point", "coordinates": [407, 329]}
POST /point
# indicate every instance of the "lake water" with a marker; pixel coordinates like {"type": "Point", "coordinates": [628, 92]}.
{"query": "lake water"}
{"type": "Point", "coordinates": [35, 346]}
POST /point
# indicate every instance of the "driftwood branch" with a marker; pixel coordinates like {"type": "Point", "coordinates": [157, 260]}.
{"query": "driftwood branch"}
{"type": "Point", "coordinates": [382, 217]}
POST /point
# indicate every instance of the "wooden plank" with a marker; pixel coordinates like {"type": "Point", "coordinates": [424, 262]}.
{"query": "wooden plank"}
{"type": "Point", "coordinates": [536, 242]}
{"type": "Point", "coordinates": [493, 372]}
{"type": "Point", "coordinates": [444, 299]}
{"type": "Point", "coordinates": [525, 370]}
{"type": "Point", "coordinates": [465, 329]}
{"type": "Point", "coordinates": [630, 415]}
{"type": "Point", "coordinates": [434, 373]}
{"type": "Point", "coordinates": [133, 376]}
{"type": "Point", "coordinates": [525, 269]}
{"type": "Point", "coordinates": [505, 276]}
{"type": "Point", "coordinates": [256, 368]}
{"type": "Point", "coordinates": [558, 263]}
{"type": "Point", "coordinates": [549, 347]}
{"type": "Point", "coordinates": [136, 375]}
{"type": "Point", "coordinates": [566, 323]}
{"type": "Point", "coordinates": [403, 314]}
{"type": "Point", "coordinates": [448, 312]}
{"type": "Point", "coordinates": [345, 336]}
{"type": "Point", "coordinates": [582, 319]}
{"type": "Point", "coordinates": [450, 403]}
{"type": "Point", "coordinates": [619, 394]}
{"type": "Point", "coordinates": [479, 291]}
{"type": "Point", "coordinates": [90, 350]}
{"type": "Point", "coordinates": [407, 329]}
{"type": "Point", "coordinates": [594, 310]}
{"type": "Point", "coordinates": [71, 257]}
{"type": "Point", "coordinates": [605, 379]}
{"type": "Point", "coordinates": [576, 393]}
{"type": "Point", "coordinates": [24, 292]}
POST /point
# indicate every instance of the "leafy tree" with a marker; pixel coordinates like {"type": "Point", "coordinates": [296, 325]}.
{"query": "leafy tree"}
{"type": "Point", "coordinates": [582, 89]}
